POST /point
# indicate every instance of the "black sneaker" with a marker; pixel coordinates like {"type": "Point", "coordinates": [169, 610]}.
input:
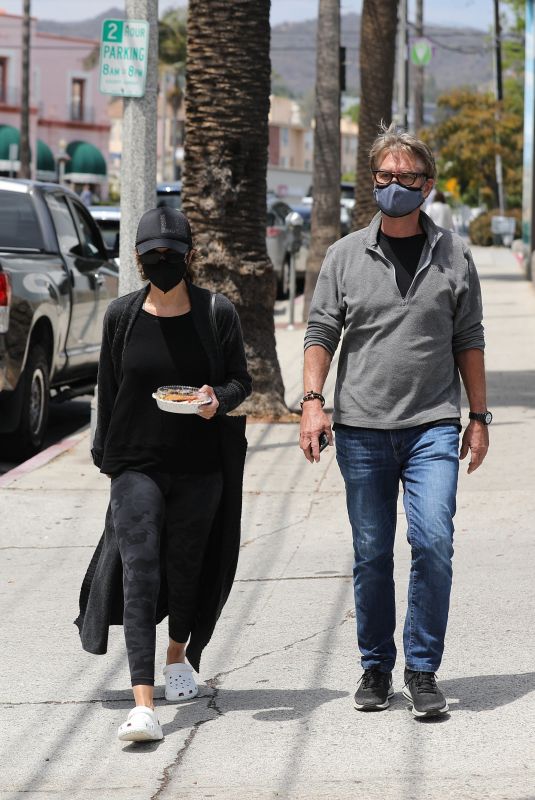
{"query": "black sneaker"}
{"type": "Point", "coordinates": [422, 691]}
{"type": "Point", "coordinates": [374, 690]}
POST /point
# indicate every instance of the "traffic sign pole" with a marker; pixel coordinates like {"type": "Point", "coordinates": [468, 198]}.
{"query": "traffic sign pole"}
{"type": "Point", "coordinates": [138, 162]}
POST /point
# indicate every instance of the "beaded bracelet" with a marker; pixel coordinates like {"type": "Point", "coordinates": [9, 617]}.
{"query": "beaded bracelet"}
{"type": "Point", "coordinates": [313, 396]}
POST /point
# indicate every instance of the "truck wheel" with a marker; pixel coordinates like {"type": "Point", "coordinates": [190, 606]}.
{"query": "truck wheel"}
{"type": "Point", "coordinates": [35, 403]}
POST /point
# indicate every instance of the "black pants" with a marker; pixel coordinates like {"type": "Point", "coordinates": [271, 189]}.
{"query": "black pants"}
{"type": "Point", "coordinates": [145, 506]}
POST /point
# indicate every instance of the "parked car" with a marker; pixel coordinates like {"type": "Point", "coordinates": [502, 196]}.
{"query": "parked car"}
{"type": "Point", "coordinates": [169, 194]}
{"type": "Point", "coordinates": [108, 219]}
{"type": "Point", "coordinates": [278, 235]}
{"type": "Point", "coordinates": [56, 280]}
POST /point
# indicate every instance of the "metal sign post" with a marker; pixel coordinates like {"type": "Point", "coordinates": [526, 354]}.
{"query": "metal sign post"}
{"type": "Point", "coordinates": [294, 221]}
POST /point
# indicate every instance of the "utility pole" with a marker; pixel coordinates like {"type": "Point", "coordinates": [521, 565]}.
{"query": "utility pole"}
{"type": "Point", "coordinates": [403, 65]}
{"type": "Point", "coordinates": [138, 163]}
{"type": "Point", "coordinates": [499, 98]}
{"type": "Point", "coordinates": [25, 168]}
{"type": "Point", "coordinates": [419, 74]}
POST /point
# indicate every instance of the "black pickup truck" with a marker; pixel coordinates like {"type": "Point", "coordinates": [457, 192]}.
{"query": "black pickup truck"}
{"type": "Point", "coordinates": [56, 280]}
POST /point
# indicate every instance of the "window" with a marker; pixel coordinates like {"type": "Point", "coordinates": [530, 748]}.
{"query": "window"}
{"type": "Point", "coordinates": [19, 228]}
{"type": "Point", "coordinates": [285, 136]}
{"type": "Point", "coordinates": [3, 80]}
{"type": "Point", "coordinates": [67, 237]}
{"type": "Point", "coordinates": [88, 234]}
{"type": "Point", "coordinates": [77, 99]}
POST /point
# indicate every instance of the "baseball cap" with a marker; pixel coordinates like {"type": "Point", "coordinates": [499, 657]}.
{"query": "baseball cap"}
{"type": "Point", "coordinates": [163, 227]}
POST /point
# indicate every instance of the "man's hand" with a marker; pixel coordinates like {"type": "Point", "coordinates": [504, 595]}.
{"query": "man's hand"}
{"type": "Point", "coordinates": [313, 422]}
{"type": "Point", "coordinates": [475, 439]}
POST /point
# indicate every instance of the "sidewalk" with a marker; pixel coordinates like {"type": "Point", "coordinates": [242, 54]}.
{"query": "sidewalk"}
{"type": "Point", "coordinates": [275, 717]}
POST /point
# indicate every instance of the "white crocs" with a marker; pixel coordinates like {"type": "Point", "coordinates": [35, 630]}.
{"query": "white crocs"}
{"type": "Point", "coordinates": [141, 725]}
{"type": "Point", "coordinates": [180, 684]}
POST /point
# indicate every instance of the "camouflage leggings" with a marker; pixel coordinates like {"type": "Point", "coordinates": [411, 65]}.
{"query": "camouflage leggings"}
{"type": "Point", "coordinates": [144, 506]}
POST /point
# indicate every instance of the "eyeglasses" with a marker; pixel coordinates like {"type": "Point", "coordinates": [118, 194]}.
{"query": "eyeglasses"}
{"type": "Point", "coordinates": [384, 178]}
{"type": "Point", "coordinates": [153, 257]}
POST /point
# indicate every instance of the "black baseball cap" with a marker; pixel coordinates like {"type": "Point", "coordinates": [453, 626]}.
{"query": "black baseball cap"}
{"type": "Point", "coordinates": [163, 227]}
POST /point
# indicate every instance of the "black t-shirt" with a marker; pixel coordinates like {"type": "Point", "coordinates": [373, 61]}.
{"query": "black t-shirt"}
{"type": "Point", "coordinates": [161, 351]}
{"type": "Point", "coordinates": [404, 252]}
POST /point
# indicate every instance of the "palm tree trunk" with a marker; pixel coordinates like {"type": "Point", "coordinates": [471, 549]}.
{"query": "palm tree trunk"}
{"type": "Point", "coordinates": [226, 146]}
{"type": "Point", "coordinates": [378, 26]}
{"type": "Point", "coordinates": [418, 80]}
{"type": "Point", "coordinates": [25, 168]}
{"type": "Point", "coordinates": [325, 223]}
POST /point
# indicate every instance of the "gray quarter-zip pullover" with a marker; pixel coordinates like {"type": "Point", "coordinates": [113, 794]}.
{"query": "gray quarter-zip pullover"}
{"type": "Point", "coordinates": [396, 367]}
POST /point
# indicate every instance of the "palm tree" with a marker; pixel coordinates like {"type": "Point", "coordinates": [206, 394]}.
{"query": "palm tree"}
{"type": "Point", "coordinates": [172, 37]}
{"type": "Point", "coordinates": [378, 26]}
{"type": "Point", "coordinates": [325, 224]}
{"type": "Point", "coordinates": [227, 103]}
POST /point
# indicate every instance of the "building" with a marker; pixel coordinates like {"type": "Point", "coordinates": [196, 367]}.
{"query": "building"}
{"type": "Point", "coordinates": [69, 124]}
{"type": "Point", "coordinates": [291, 149]}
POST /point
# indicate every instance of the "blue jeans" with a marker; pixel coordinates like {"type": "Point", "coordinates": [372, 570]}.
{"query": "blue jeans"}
{"type": "Point", "coordinates": [372, 462]}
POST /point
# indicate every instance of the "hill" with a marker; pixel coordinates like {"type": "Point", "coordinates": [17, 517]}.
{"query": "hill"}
{"type": "Point", "coordinates": [462, 57]}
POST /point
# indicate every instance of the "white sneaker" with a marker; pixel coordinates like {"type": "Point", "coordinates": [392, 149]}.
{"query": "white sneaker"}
{"type": "Point", "coordinates": [180, 684]}
{"type": "Point", "coordinates": [142, 725]}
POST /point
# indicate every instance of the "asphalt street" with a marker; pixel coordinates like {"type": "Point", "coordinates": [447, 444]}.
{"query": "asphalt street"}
{"type": "Point", "coordinates": [275, 718]}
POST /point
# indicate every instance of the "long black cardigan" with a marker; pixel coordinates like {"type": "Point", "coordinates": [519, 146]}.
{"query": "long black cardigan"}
{"type": "Point", "coordinates": [101, 595]}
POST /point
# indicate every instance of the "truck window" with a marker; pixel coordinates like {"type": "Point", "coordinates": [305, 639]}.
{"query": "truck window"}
{"type": "Point", "coordinates": [88, 234]}
{"type": "Point", "coordinates": [66, 232]}
{"type": "Point", "coordinates": [19, 227]}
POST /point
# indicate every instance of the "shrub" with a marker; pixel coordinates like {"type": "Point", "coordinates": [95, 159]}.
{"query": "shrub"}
{"type": "Point", "coordinates": [480, 232]}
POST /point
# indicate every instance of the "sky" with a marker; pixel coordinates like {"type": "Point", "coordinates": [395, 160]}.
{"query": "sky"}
{"type": "Point", "coordinates": [473, 13]}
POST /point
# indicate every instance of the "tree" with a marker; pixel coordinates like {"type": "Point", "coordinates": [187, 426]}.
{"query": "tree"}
{"type": "Point", "coordinates": [325, 223]}
{"type": "Point", "coordinates": [378, 28]}
{"type": "Point", "coordinates": [467, 137]}
{"type": "Point", "coordinates": [172, 38]}
{"type": "Point", "coordinates": [227, 103]}
{"type": "Point", "coordinates": [24, 155]}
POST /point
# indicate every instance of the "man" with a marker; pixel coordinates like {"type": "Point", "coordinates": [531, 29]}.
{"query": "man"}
{"type": "Point", "coordinates": [406, 294]}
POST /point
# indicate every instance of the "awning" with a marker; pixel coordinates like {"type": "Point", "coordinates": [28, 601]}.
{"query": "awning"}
{"type": "Point", "coordinates": [86, 164]}
{"type": "Point", "coordinates": [46, 163]}
{"type": "Point", "coordinates": [9, 136]}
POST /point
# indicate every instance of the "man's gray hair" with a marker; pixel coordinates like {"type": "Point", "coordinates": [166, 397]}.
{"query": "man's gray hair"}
{"type": "Point", "coordinates": [396, 140]}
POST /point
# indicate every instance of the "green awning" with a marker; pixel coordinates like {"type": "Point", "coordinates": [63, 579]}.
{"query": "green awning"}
{"type": "Point", "coordinates": [8, 136]}
{"type": "Point", "coordinates": [45, 158]}
{"type": "Point", "coordinates": [86, 164]}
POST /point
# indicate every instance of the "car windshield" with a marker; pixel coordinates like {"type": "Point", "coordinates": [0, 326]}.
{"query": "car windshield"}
{"type": "Point", "coordinates": [19, 227]}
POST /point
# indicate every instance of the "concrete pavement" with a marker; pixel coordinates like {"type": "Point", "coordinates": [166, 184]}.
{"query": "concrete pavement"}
{"type": "Point", "coordinates": [274, 718]}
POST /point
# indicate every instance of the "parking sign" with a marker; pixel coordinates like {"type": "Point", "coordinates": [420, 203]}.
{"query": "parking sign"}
{"type": "Point", "coordinates": [123, 57]}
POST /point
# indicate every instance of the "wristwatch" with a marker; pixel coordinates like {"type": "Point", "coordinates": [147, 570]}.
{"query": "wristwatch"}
{"type": "Point", "coordinates": [485, 417]}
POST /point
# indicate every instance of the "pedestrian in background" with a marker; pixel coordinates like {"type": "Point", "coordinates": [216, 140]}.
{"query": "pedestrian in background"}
{"type": "Point", "coordinates": [407, 296]}
{"type": "Point", "coordinates": [172, 533]}
{"type": "Point", "coordinates": [86, 195]}
{"type": "Point", "coordinates": [440, 212]}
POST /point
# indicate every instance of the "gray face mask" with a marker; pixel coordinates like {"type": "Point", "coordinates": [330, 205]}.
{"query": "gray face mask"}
{"type": "Point", "coordinates": [398, 201]}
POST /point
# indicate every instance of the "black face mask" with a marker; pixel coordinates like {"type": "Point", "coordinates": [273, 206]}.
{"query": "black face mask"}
{"type": "Point", "coordinates": [164, 270]}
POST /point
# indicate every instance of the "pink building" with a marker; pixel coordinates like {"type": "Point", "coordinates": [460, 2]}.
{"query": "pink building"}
{"type": "Point", "coordinates": [68, 114]}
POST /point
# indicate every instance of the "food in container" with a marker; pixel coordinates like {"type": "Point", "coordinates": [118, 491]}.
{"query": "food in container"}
{"type": "Point", "coordinates": [180, 399]}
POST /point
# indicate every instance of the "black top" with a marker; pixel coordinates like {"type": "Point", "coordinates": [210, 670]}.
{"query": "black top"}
{"type": "Point", "coordinates": [161, 351]}
{"type": "Point", "coordinates": [404, 252]}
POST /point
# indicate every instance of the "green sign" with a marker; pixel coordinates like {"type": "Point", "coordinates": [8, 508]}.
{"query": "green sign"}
{"type": "Point", "coordinates": [123, 57]}
{"type": "Point", "coordinates": [421, 52]}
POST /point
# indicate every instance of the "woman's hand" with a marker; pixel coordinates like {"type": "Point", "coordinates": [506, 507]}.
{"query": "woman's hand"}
{"type": "Point", "coordinates": [209, 410]}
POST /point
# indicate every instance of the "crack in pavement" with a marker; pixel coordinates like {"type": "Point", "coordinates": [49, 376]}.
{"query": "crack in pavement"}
{"type": "Point", "coordinates": [49, 547]}
{"type": "Point", "coordinates": [277, 530]}
{"type": "Point", "coordinates": [294, 578]}
{"type": "Point", "coordinates": [215, 684]}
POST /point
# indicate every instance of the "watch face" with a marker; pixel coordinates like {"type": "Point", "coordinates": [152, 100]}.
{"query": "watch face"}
{"type": "Point", "coordinates": [488, 418]}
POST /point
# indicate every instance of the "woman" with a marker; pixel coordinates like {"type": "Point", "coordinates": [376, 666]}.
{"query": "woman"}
{"type": "Point", "coordinates": [172, 527]}
{"type": "Point", "coordinates": [440, 212]}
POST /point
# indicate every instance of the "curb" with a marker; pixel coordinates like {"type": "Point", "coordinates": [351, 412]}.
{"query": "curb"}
{"type": "Point", "coordinates": [42, 458]}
